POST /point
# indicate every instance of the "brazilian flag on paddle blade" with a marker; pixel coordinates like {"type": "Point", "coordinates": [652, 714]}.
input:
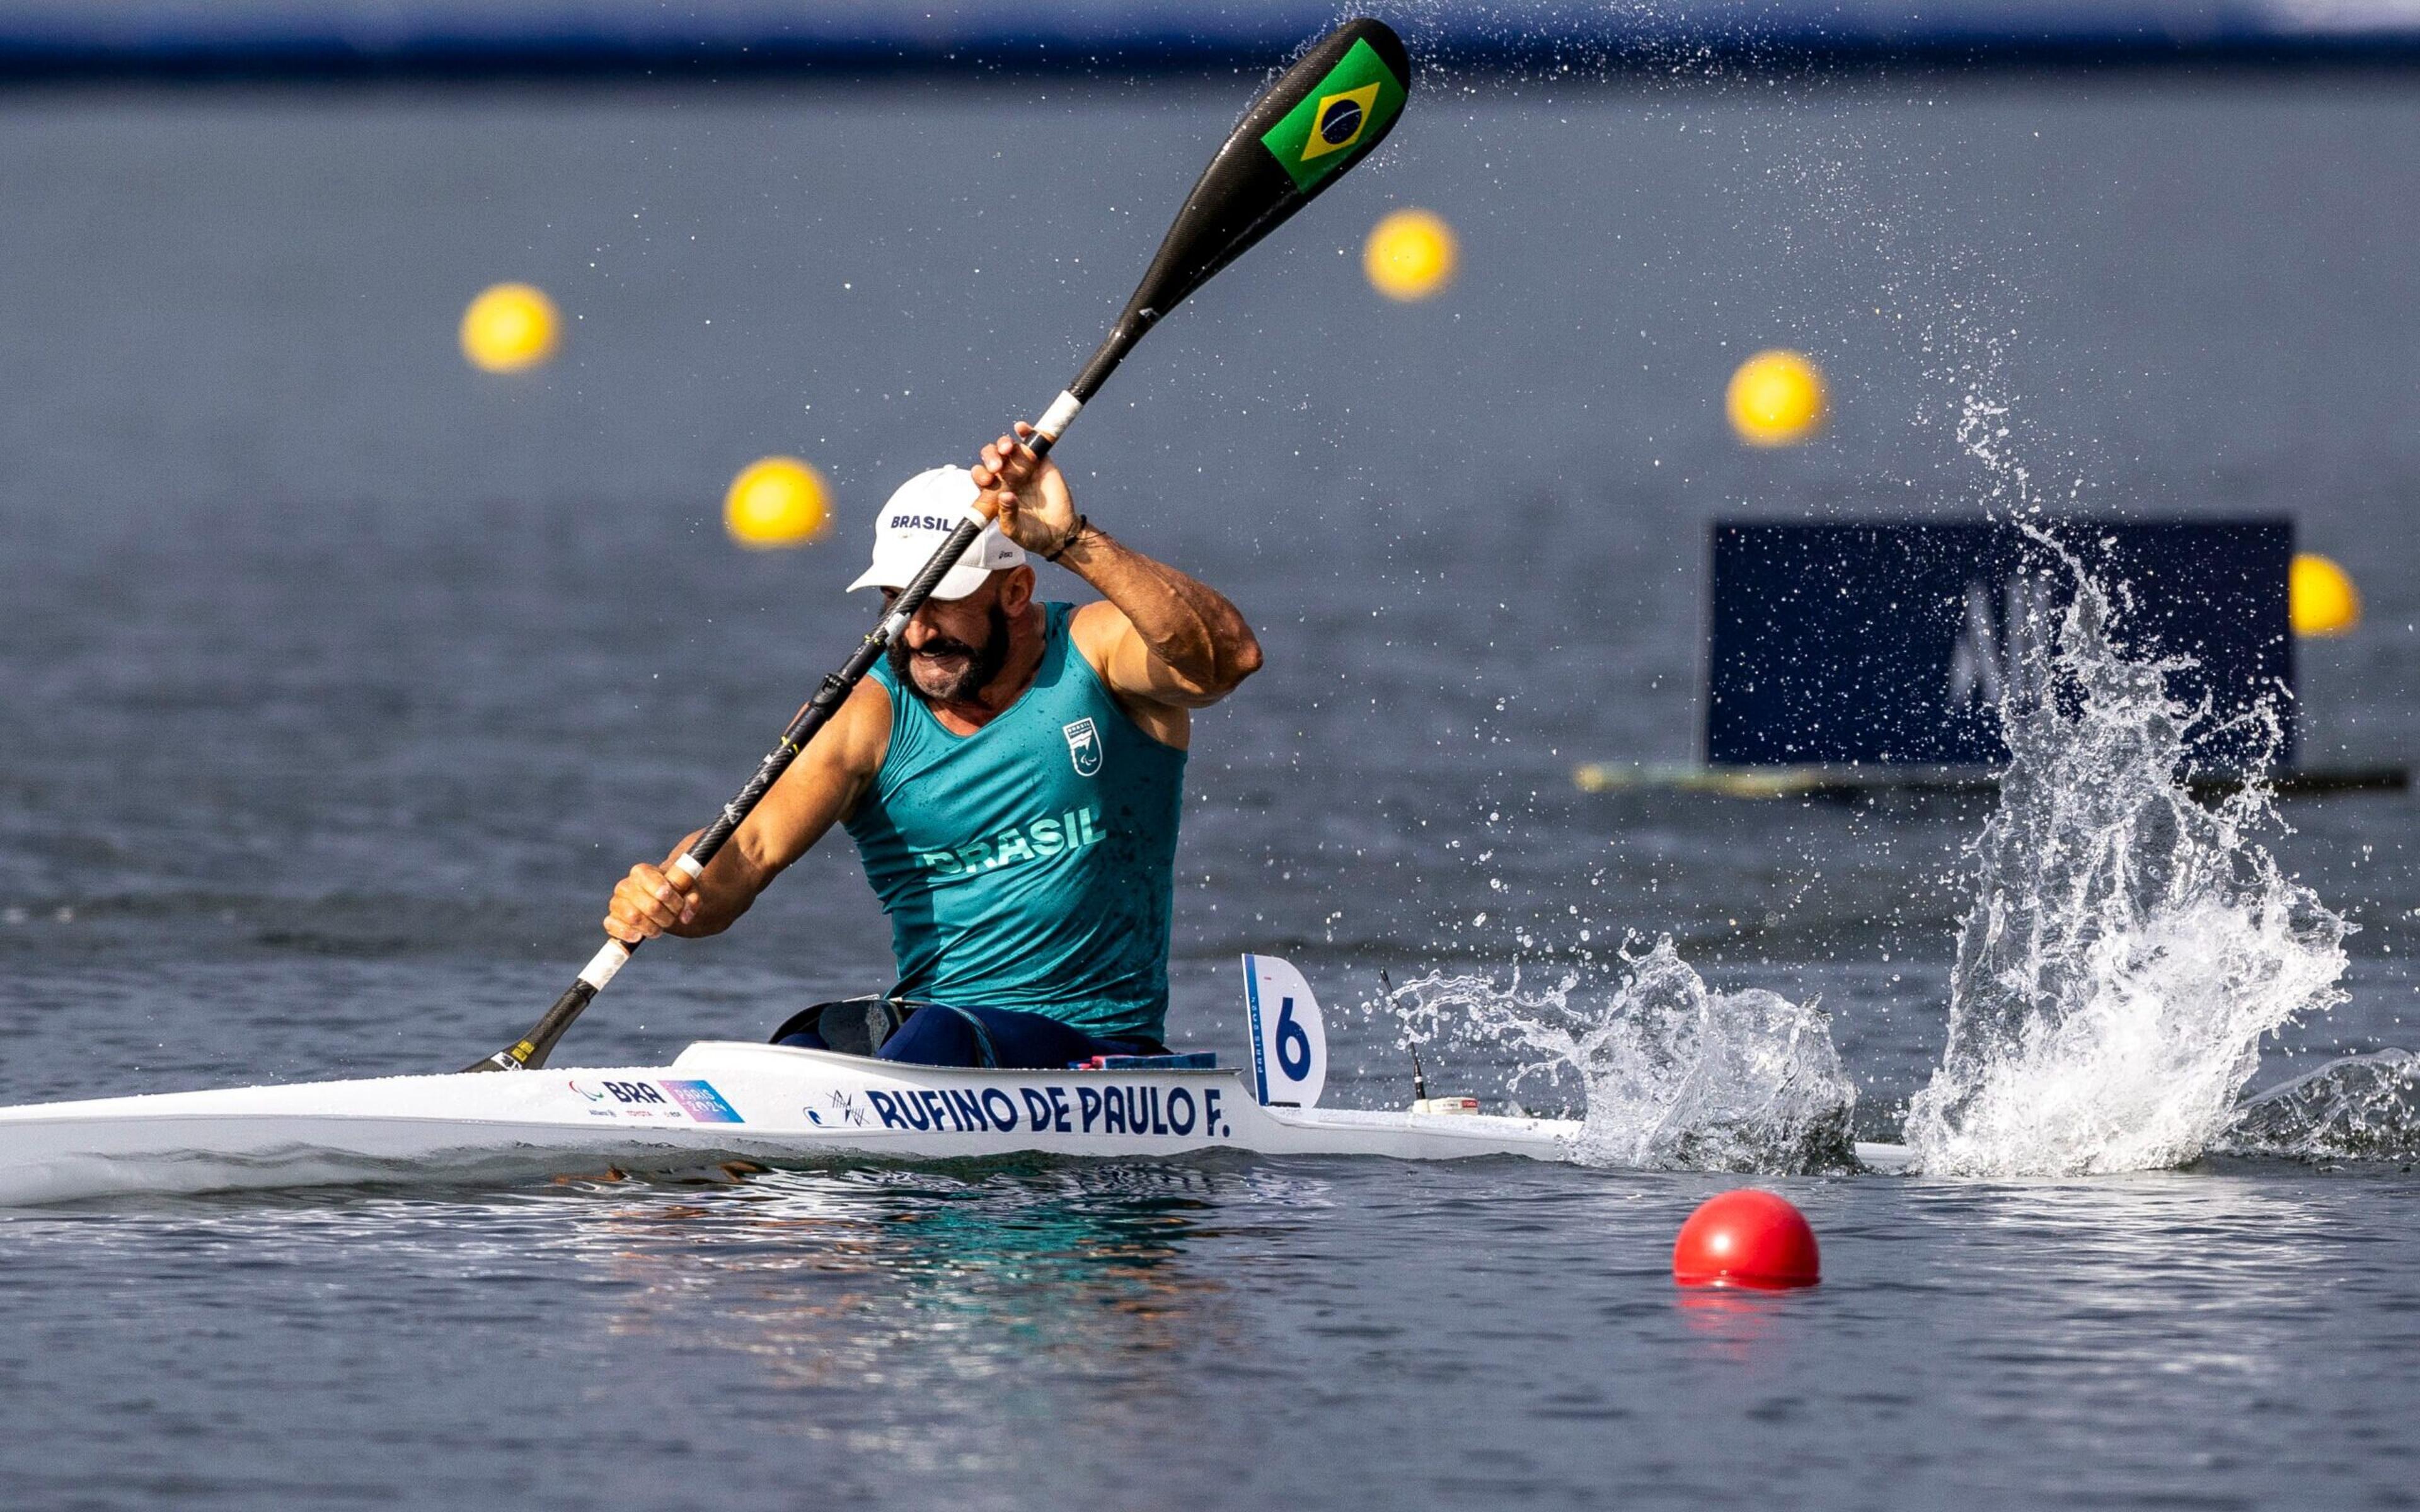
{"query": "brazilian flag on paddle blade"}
{"type": "Point", "coordinates": [1354, 103]}
{"type": "Point", "coordinates": [1313, 123]}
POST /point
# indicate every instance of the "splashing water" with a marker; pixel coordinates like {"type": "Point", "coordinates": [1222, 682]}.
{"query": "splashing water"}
{"type": "Point", "coordinates": [2361, 1108]}
{"type": "Point", "coordinates": [1678, 1077]}
{"type": "Point", "coordinates": [2127, 947]}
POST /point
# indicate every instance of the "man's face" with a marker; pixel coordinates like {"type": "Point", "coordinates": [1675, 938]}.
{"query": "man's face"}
{"type": "Point", "coordinates": [952, 648]}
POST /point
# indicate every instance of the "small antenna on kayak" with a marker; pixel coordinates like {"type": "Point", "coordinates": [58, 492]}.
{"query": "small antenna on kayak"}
{"type": "Point", "coordinates": [1420, 1078]}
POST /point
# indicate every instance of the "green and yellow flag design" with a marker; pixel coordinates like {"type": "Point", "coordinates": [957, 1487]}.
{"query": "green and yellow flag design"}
{"type": "Point", "coordinates": [1352, 104]}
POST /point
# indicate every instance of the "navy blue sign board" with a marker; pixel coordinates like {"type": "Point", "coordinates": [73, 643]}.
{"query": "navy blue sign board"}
{"type": "Point", "coordinates": [1891, 642]}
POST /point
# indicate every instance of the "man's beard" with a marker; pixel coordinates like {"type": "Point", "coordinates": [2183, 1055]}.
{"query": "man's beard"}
{"type": "Point", "coordinates": [983, 663]}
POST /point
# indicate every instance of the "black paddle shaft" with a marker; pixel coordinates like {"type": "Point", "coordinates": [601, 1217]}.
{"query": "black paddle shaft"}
{"type": "Point", "coordinates": [530, 1051]}
{"type": "Point", "coordinates": [1327, 112]}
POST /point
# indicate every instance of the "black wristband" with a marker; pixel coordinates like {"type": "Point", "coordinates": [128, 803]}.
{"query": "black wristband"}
{"type": "Point", "coordinates": [1081, 525]}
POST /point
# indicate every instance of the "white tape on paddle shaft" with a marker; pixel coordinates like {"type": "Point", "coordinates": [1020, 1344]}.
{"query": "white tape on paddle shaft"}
{"type": "Point", "coordinates": [1062, 413]}
{"type": "Point", "coordinates": [688, 865]}
{"type": "Point", "coordinates": [1289, 1044]}
{"type": "Point", "coordinates": [601, 966]}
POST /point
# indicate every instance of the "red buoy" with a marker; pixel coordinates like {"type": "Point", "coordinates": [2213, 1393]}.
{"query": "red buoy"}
{"type": "Point", "coordinates": [1745, 1239]}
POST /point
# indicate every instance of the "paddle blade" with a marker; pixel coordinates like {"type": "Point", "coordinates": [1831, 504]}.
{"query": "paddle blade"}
{"type": "Point", "coordinates": [1326, 113]}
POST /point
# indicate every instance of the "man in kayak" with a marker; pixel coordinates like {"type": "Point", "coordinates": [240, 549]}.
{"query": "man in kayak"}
{"type": "Point", "coordinates": [1012, 777]}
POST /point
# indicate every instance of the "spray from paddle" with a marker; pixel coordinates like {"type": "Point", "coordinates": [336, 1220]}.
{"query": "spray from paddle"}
{"type": "Point", "coordinates": [2363, 1107]}
{"type": "Point", "coordinates": [1678, 1077]}
{"type": "Point", "coordinates": [2127, 948]}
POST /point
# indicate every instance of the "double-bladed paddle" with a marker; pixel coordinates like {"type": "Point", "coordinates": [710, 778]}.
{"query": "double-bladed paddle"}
{"type": "Point", "coordinates": [1321, 117]}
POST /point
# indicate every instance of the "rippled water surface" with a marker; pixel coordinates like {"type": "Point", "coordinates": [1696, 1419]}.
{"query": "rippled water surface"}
{"type": "Point", "coordinates": [336, 683]}
{"type": "Point", "coordinates": [1213, 1334]}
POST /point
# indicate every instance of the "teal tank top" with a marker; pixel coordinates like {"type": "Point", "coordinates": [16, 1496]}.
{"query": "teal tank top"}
{"type": "Point", "coordinates": [1033, 864]}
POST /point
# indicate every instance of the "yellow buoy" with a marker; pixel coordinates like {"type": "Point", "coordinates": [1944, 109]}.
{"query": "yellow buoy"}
{"type": "Point", "coordinates": [1776, 398]}
{"type": "Point", "coordinates": [1410, 254]}
{"type": "Point", "coordinates": [509, 328]}
{"type": "Point", "coordinates": [2320, 598]}
{"type": "Point", "coordinates": [778, 500]}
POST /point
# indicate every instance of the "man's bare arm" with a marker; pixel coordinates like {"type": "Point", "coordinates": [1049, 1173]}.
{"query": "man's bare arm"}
{"type": "Point", "coordinates": [820, 788]}
{"type": "Point", "coordinates": [1182, 644]}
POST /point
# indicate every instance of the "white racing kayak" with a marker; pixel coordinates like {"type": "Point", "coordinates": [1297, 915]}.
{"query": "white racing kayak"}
{"type": "Point", "coordinates": [728, 1101]}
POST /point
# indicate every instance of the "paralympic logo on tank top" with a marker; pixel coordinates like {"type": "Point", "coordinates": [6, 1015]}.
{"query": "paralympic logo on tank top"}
{"type": "Point", "coordinates": [1032, 841]}
{"type": "Point", "coordinates": [1083, 747]}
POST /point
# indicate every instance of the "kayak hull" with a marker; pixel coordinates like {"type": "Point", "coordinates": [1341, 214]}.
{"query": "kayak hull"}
{"type": "Point", "coordinates": [718, 1101]}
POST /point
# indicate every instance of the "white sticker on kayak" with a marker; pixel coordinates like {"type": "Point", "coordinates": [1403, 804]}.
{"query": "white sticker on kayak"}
{"type": "Point", "coordinates": [668, 1102]}
{"type": "Point", "coordinates": [1289, 1046]}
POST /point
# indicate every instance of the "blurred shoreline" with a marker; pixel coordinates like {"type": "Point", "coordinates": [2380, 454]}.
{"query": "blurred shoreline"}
{"type": "Point", "coordinates": [250, 40]}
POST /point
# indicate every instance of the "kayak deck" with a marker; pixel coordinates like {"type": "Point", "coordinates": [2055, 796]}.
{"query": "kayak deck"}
{"type": "Point", "coordinates": [718, 1101]}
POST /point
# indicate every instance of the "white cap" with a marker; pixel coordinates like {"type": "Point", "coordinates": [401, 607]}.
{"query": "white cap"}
{"type": "Point", "coordinates": [914, 522]}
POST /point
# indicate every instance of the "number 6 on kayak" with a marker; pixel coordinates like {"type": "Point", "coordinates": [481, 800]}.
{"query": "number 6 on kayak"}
{"type": "Point", "coordinates": [1322, 116]}
{"type": "Point", "coordinates": [1289, 1046]}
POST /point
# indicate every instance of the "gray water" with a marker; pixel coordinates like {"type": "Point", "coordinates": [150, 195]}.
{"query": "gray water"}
{"type": "Point", "coordinates": [338, 681]}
